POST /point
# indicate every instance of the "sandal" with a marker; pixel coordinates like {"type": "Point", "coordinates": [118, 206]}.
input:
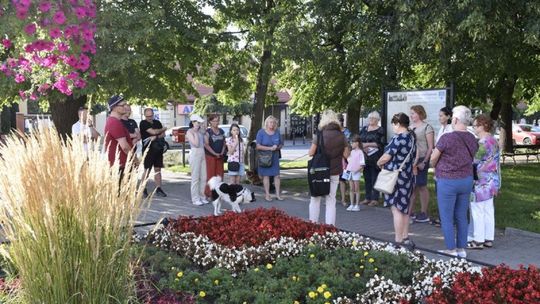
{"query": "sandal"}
{"type": "Point", "coordinates": [364, 202]}
{"type": "Point", "coordinates": [475, 245]}
{"type": "Point", "coordinates": [373, 203]}
{"type": "Point", "coordinates": [488, 244]}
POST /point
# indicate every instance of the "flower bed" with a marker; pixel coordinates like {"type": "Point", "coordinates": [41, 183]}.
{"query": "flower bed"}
{"type": "Point", "coordinates": [264, 256]}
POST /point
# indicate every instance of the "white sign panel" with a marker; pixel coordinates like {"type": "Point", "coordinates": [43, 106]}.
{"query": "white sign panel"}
{"type": "Point", "coordinates": [402, 101]}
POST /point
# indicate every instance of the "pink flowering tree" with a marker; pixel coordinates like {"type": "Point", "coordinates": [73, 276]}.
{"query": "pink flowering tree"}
{"type": "Point", "coordinates": [46, 53]}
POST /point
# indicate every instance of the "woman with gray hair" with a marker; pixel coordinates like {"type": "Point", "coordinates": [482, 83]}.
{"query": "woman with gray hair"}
{"type": "Point", "coordinates": [335, 147]}
{"type": "Point", "coordinates": [453, 159]}
{"type": "Point", "coordinates": [372, 137]}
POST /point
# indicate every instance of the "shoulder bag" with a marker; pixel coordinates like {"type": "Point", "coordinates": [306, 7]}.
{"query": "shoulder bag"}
{"type": "Point", "coordinates": [474, 168]}
{"type": "Point", "coordinates": [234, 166]}
{"type": "Point", "coordinates": [319, 170]}
{"type": "Point", "coordinates": [387, 179]}
{"type": "Point", "coordinates": [264, 158]}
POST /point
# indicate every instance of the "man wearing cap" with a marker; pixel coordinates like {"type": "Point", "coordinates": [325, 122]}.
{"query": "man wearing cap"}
{"type": "Point", "coordinates": [152, 129]}
{"type": "Point", "coordinates": [197, 161]}
{"type": "Point", "coordinates": [116, 135]}
{"type": "Point", "coordinates": [84, 127]}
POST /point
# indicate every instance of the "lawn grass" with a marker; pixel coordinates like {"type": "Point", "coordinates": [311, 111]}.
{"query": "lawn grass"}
{"type": "Point", "coordinates": [284, 164]}
{"type": "Point", "coordinates": [515, 206]}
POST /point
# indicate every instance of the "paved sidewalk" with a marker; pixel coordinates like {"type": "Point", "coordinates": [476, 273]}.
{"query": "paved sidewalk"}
{"type": "Point", "coordinates": [511, 248]}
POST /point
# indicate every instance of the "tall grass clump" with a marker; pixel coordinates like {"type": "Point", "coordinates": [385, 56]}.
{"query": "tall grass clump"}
{"type": "Point", "coordinates": [69, 218]}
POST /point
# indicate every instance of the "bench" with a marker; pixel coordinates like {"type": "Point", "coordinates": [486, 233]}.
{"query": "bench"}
{"type": "Point", "coordinates": [523, 150]}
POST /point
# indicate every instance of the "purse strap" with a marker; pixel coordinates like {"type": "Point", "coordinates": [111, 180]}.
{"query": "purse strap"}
{"type": "Point", "coordinates": [408, 155]}
{"type": "Point", "coordinates": [320, 143]}
{"type": "Point", "coordinates": [466, 146]}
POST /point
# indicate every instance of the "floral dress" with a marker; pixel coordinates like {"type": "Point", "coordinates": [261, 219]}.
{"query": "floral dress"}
{"type": "Point", "coordinates": [487, 163]}
{"type": "Point", "coordinates": [399, 147]}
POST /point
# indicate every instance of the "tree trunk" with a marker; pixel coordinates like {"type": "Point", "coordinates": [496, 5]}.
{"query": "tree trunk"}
{"type": "Point", "coordinates": [65, 113]}
{"type": "Point", "coordinates": [502, 105]}
{"type": "Point", "coordinates": [353, 116]}
{"type": "Point", "coordinates": [263, 78]}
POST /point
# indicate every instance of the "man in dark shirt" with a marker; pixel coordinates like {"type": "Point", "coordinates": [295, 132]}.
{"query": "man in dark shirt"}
{"type": "Point", "coordinates": [131, 126]}
{"type": "Point", "coordinates": [151, 129]}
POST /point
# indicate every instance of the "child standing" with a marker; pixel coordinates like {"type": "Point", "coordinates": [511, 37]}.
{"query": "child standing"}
{"type": "Point", "coordinates": [355, 166]}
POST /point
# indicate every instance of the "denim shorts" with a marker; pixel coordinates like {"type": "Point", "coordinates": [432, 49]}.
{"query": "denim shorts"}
{"type": "Point", "coordinates": [421, 177]}
{"type": "Point", "coordinates": [240, 172]}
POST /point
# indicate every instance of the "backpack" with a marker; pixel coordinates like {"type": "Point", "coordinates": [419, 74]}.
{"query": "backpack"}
{"type": "Point", "coordinates": [319, 170]}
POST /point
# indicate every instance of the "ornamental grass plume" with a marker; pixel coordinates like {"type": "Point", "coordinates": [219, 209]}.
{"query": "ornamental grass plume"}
{"type": "Point", "coordinates": [68, 221]}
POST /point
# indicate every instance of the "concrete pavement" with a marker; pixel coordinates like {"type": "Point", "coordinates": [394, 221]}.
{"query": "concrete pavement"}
{"type": "Point", "coordinates": [510, 248]}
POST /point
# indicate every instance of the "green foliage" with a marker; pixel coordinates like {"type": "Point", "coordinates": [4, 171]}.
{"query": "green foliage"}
{"type": "Point", "coordinates": [339, 272]}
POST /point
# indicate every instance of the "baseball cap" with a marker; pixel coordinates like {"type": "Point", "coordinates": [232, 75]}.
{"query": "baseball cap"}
{"type": "Point", "coordinates": [114, 100]}
{"type": "Point", "coordinates": [196, 117]}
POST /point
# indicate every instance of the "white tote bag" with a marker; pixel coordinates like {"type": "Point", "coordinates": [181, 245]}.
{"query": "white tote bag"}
{"type": "Point", "coordinates": [387, 179]}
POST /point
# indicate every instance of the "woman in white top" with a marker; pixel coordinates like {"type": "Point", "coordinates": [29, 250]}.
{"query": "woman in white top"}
{"type": "Point", "coordinates": [445, 118]}
{"type": "Point", "coordinates": [197, 161]}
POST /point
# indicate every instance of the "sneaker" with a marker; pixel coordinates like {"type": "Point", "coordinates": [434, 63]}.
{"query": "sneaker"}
{"type": "Point", "coordinates": [160, 192]}
{"type": "Point", "coordinates": [409, 244]}
{"type": "Point", "coordinates": [198, 203]}
{"type": "Point", "coordinates": [413, 215]}
{"type": "Point", "coordinates": [350, 208]}
{"type": "Point", "coordinates": [421, 218]}
{"type": "Point", "coordinates": [356, 208]}
{"type": "Point", "coordinates": [448, 252]}
{"type": "Point", "coordinates": [461, 253]}
{"type": "Point", "coordinates": [204, 201]}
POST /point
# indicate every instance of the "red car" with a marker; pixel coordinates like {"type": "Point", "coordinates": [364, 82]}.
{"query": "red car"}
{"type": "Point", "coordinates": [526, 134]}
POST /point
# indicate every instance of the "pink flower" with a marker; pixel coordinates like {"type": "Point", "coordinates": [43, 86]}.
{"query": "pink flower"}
{"type": "Point", "coordinates": [88, 34]}
{"type": "Point", "coordinates": [62, 47]}
{"type": "Point", "coordinates": [44, 6]}
{"type": "Point", "coordinates": [55, 33]}
{"type": "Point", "coordinates": [80, 12]}
{"type": "Point", "coordinates": [22, 94]}
{"type": "Point", "coordinates": [62, 86]}
{"type": "Point", "coordinates": [6, 43]}
{"type": "Point", "coordinates": [73, 75]}
{"type": "Point", "coordinates": [21, 14]}
{"type": "Point", "coordinates": [59, 17]}
{"type": "Point", "coordinates": [71, 61]}
{"type": "Point", "coordinates": [30, 28]}
{"type": "Point", "coordinates": [92, 74]}
{"type": "Point", "coordinates": [44, 87]}
{"type": "Point", "coordinates": [19, 78]}
{"type": "Point", "coordinates": [71, 31]}
{"type": "Point", "coordinates": [80, 83]}
{"type": "Point", "coordinates": [33, 96]}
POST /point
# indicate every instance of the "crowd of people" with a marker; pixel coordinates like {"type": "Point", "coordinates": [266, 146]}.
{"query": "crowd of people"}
{"type": "Point", "coordinates": [466, 164]}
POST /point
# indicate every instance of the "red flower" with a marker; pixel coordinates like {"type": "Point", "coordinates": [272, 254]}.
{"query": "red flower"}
{"type": "Point", "coordinates": [250, 228]}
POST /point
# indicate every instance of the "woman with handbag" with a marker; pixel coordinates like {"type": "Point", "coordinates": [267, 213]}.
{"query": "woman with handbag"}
{"type": "Point", "coordinates": [372, 137]}
{"type": "Point", "coordinates": [335, 147]}
{"type": "Point", "coordinates": [452, 159]}
{"type": "Point", "coordinates": [269, 143]}
{"type": "Point", "coordinates": [399, 154]}
{"type": "Point", "coordinates": [235, 150]}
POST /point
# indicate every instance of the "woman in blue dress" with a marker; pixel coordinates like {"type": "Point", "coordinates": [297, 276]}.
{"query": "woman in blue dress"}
{"type": "Point", "coordinates": [269, 139]}
{"type": "Point", "coordinates": [402, 148]}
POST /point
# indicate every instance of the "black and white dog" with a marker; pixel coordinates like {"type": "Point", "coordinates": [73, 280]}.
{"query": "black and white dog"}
{"type": "Point", "coordinates": [232, 194]}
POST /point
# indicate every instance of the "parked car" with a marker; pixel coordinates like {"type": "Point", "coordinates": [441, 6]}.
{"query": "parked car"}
{"type": "Point", "coordinates": [523, 134]}
{"type": "Point", "coordinates": [175, 136]}
{"type": "Point", "coordinates": [243, 130]}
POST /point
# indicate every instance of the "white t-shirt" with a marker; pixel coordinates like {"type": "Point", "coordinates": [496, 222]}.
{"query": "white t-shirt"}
{"type": "Point", "coordinates": [446, 129]}
{"type": "Point", "coordinates": [79, 129]}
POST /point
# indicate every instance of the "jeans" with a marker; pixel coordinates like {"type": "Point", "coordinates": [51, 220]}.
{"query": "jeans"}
{"type": "Point", "coordinates": [453, 199]}
{"type": "Point", "coordinates": [370, 177]}
{"type": "Point", "coordinates": [330, 199]}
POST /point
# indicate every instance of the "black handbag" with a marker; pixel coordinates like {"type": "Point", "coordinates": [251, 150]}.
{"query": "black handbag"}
{"type": "Point", "coordinates": [159, 145]}
{"type": "Point", "coordinates": [474, 168]}
{"type": "Point", "coordinates": [264, 157]}
{"type": "Point", "coordinates": [234, 166]}
{"type": "Point", "coordinates": [319, 170]}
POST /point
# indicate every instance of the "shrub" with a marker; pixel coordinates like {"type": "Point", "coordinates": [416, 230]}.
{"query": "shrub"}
{"type": "Point", "coordinates": [69, 222]}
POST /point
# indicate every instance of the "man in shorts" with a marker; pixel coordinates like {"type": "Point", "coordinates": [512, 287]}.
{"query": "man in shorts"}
{"type": "Point", "coordinates": [151, 129]}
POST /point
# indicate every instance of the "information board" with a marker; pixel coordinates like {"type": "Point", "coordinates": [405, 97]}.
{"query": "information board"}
{"type": "Point", "coordinates": [402, 101]}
